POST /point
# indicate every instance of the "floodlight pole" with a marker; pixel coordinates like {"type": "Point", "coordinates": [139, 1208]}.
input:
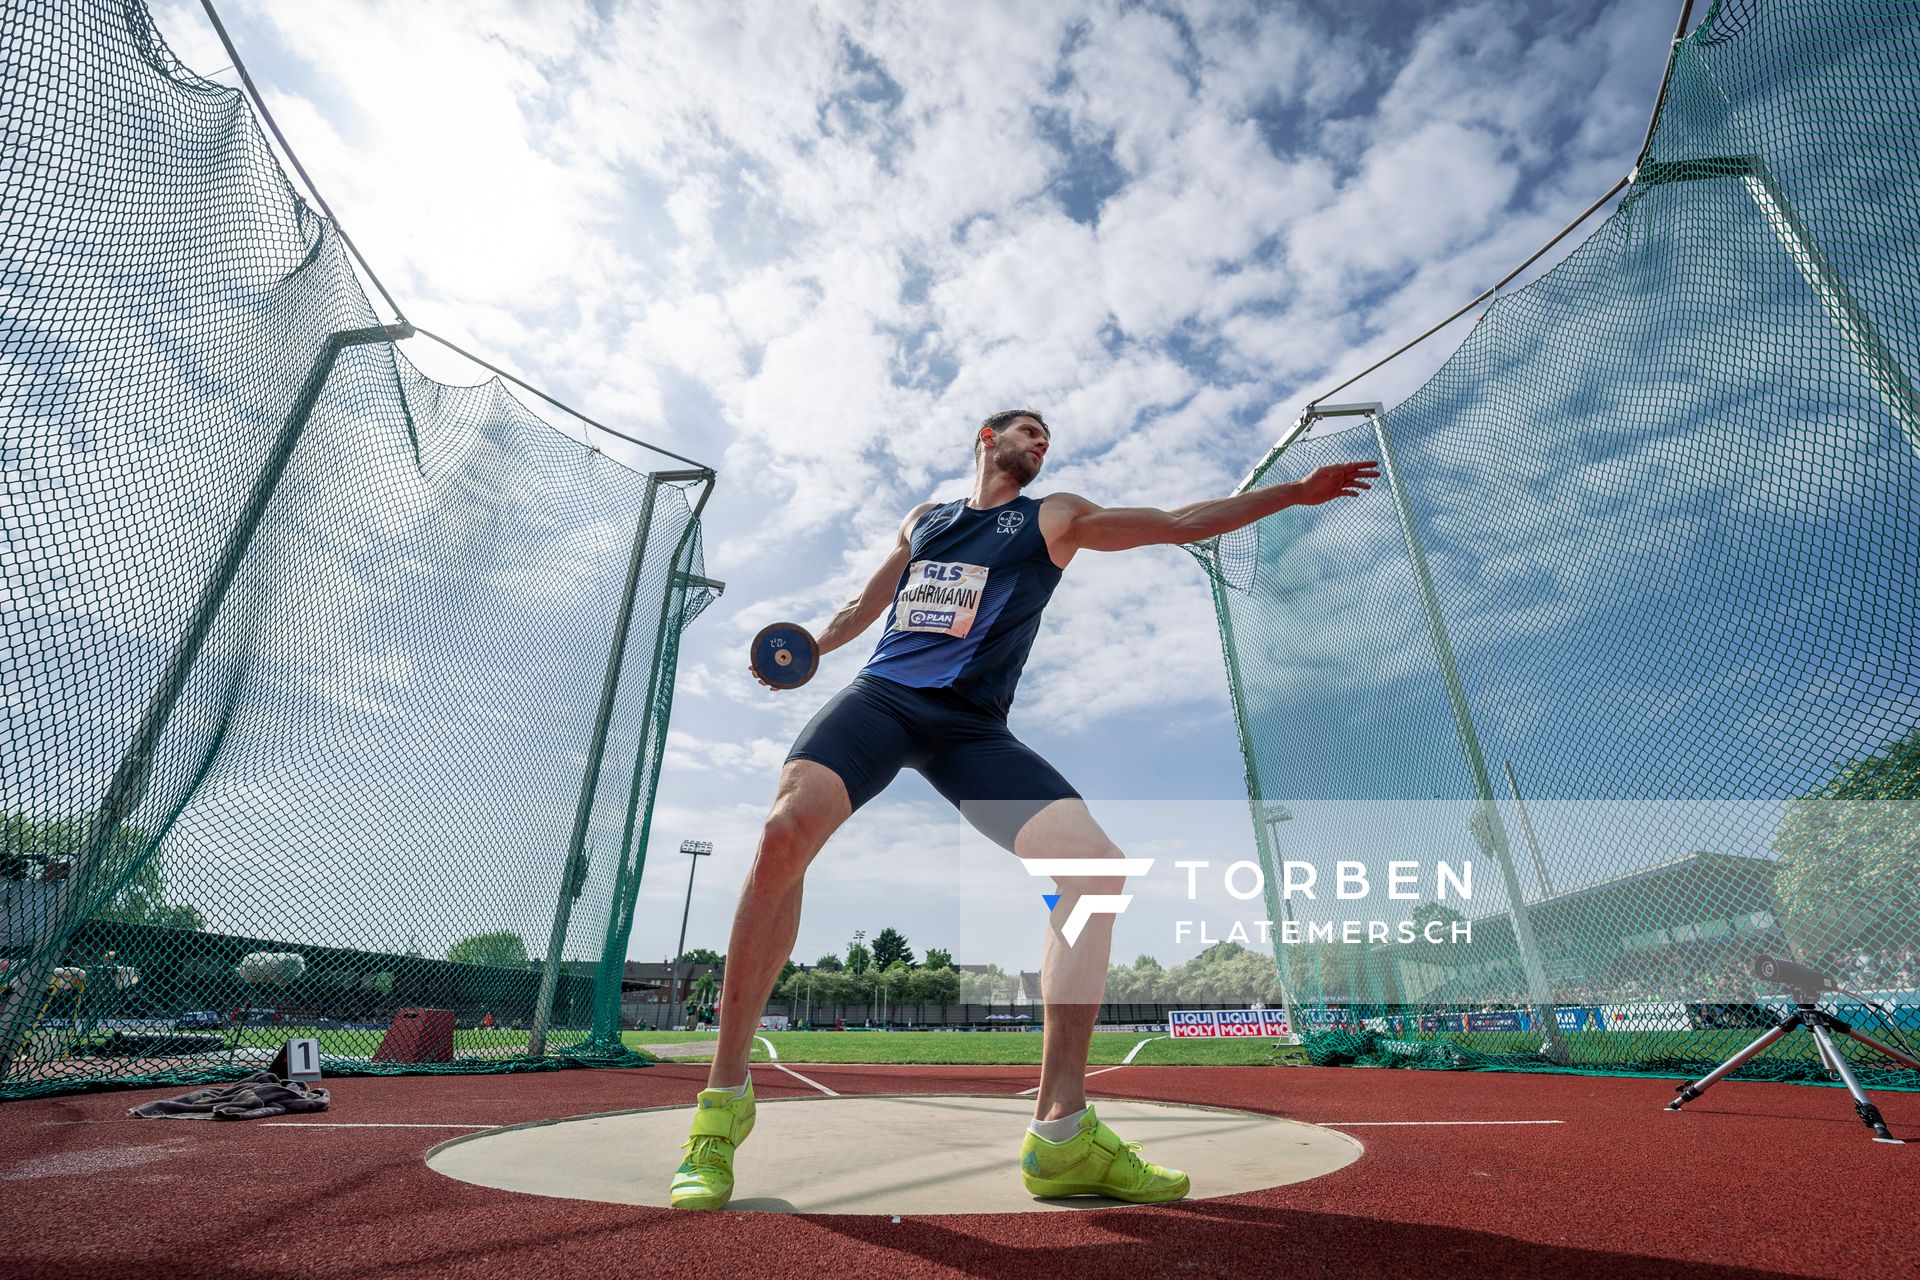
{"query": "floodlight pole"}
{"type": "Point", "coordinates": [1487, 826]}
{"type": "Point", "coordinates": [860, 940]}
{"type": "Point", "coordinates": [698, 849]}
{"type": "Point", "coordinates": [1855, 326]}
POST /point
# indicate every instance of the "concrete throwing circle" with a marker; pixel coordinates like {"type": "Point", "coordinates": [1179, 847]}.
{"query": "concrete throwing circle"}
{"type": "Point", "coordinates": [894, 1155]}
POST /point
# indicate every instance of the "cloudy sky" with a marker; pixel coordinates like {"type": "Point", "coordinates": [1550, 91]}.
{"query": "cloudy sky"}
{"type": "Point", "coordinates": [813, 244]}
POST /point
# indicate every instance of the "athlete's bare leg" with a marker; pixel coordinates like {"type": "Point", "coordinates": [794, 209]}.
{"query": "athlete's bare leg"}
{"type": "Point", "coordinates": [809, 806]}
{"type": "Point", "coordinates": [1073, 980]}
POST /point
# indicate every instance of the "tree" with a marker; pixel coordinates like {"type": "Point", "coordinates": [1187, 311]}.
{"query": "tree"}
{"type": "Point", "coordinates": [703, 988]}
{"type": "Point", "coordinates": [859, 959]}
{"type": "Point", "coordinates": [1142, 983]}
{"type": "Point", "coordinates": [1849, 871]}
{"type": "Point", "coordinates": [787, 970]}
{"type": "Point", "coordinates": [829, 987]}
{"type": "Point", "coordinates": [702, 955]}
{"type": "Point", "coordinates": [990, 987]}
{"type": "Point", "coordinates": [933, 985]}
{"type": "Point", "coordinates": [829, 963]}
{"type": "Point", "coordinates": [131, 872]}
{"type": "Point", "coordinates": [501, 950]}
{"type": "Point", "coordinates": [938, 958]}
{"type": "Point", "coordinates": [1225, 973]}
{"type": "Point", "coordinates": [889, 946]}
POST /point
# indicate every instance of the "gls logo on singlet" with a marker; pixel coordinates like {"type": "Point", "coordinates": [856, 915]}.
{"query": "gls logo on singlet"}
{"type": "Point", "coordinates": [940, 596]}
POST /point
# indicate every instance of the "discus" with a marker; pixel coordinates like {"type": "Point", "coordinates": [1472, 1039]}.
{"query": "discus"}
{"type": "Point", "coordinates": [784, 655]}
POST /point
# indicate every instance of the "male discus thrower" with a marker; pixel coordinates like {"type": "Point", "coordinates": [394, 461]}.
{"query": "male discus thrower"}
{"type": "Point", "coordinates": [783, 656]}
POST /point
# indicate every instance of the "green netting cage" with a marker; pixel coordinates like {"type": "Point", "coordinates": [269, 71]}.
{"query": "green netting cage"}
{"type": "Point", "coordinates": [334, 696]}
{"type": "Point", "coordinates": [1631, 619]}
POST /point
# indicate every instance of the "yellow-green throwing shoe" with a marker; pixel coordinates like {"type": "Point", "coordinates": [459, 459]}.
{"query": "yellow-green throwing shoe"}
{"type": "Point", "coordinates": [1095, 1162]}
{"type": "Point", "coordinates": [721, 1122]}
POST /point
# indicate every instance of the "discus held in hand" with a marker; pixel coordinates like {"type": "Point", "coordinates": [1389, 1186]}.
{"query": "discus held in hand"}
{"type": "Point", "coordinates": [784, 656]}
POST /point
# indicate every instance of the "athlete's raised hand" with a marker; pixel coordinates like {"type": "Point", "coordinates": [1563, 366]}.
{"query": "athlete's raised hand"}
{"type": "Point", "coordinates": [1341, 480]}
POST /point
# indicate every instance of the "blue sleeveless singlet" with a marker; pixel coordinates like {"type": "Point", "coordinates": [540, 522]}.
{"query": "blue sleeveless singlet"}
{"type": "Point", "coordinates": [965, 611]}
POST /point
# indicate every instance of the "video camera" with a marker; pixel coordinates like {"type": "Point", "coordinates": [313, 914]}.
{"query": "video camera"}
{"type": "Point", "coordinates": [1789, 974]}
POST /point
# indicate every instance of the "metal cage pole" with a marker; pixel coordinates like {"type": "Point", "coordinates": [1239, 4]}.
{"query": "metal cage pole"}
{"type": "Point", "coordinates": [1243, 729]}
{"type": "Point", "coordinates": [1273, 814]}
{"type": "Point", "coordinates": [630, 867]}
{"type": "Point", "coordinates": [1526, 829]}
{"type": "Point", "coordinates": [1254, 803]}
{"type": "Point", "coordinates": [1487, 826]}
{"type": "Point", "coordinates": [573, 871]}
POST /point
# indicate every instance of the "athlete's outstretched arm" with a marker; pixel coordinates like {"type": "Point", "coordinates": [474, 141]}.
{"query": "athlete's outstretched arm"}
{"type": "Point", "coordinates": [1083, 526]}
{"type": "Point", "coordinates": [857, 614]}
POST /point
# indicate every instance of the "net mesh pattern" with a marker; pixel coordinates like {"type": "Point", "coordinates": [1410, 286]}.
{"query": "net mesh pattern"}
{"type": "Point", "coordinates": [304, 652]}
{"type": "Point", "coordinates": [1668, 499]}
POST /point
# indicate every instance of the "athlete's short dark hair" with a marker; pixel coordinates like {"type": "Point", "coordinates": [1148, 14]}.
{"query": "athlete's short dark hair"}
{"type": "Point", "coordinates": [994, 422]}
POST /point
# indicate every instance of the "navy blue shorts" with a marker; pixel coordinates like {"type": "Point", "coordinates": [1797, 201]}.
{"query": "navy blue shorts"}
{"type": "Point", "coordinates": [873, 727]}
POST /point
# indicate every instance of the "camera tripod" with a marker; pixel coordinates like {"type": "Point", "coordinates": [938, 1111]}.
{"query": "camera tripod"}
{"type": "Point", "coordinates": [1821, 1025]}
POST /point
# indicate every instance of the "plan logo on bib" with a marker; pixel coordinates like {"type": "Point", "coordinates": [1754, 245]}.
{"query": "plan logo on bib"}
{"type": "Point", "coordinates": [940, 596]}
{"type": "Point", "coordinates": [1010, 521]}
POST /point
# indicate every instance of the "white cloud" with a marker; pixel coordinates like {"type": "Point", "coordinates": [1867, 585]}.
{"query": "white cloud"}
{"type": "Point", "coordinates": [816, 242]}
{"type": "Point", "coordinates": [757, 759]}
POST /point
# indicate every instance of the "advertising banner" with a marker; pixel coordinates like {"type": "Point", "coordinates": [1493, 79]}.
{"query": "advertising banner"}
{"type": "Point", "coordinates": [1499, 1020]}
{"type": "Point", "coordinates": [1652, 1016]}
{"type": "Point", "coordinates": [1584, 1018]}
{"type": "Point", "coordinates": [1232, 1024]}
{"type": "Point", "coordinates": [1190, 1024]}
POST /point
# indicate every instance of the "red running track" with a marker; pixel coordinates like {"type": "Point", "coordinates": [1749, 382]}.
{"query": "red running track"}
{"type": "Point", "coordinates": [1752, 1180]}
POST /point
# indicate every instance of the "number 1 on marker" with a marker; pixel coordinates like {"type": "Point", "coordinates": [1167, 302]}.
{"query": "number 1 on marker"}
{"type": "Point", "coordinates": [303, 1059]}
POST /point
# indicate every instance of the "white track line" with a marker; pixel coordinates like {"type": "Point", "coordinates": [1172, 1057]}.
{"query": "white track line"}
{"type": "Point", "coordinates": [803, 1080]}
{"type": "Point", "coordinates": [1126, 1061]}
{"type": "Point", "coordinates": [335, 1124]}
{"type": "Point", "coordinates": [771, 1055]}
{"type": "Point", "coordinates": [1382, 1124]}
{"type": "Point", "coordinates": [1090, 1075]}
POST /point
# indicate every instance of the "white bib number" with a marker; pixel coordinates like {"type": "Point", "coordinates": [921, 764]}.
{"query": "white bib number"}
{"type": "Point", "coordinates": [940, 596]}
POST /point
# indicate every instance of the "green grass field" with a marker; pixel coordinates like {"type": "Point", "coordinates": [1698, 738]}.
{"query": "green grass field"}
{"type": "Point", "coordinates": [984, 1048]}
{"type": "Point", "coordinates": [1595, 1050]}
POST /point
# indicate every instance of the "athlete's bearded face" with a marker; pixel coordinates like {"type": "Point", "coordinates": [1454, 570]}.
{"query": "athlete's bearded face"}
{"type": "Point", "coordinates": [1019, 449]}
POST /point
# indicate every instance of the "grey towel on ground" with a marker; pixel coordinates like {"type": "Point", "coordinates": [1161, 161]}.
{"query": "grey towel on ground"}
{"type": "Point", "coordinates": [260, 1094]}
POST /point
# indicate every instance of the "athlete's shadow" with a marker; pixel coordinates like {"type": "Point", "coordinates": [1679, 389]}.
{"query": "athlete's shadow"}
{"type": "Point", "coordinates": [763, 1204]}
{"type": "Point", "coordinates": [1215, 1238]}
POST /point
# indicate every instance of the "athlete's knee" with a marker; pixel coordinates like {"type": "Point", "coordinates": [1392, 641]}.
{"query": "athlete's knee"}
{"type": "Point", "coordinates": [786, 847]}
{"type": "Point", "coordinates": [1095, 880]}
